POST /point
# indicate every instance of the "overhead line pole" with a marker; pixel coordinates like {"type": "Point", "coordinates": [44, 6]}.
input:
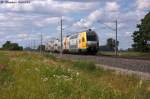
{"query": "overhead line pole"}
{"type": "Point", "coordinates": [41, 43]}
{"type": "Point", "coordinates": [61, 36]}
{"type": "Point", "coordinates": [116, 43]}
{"type": "Point", "coordinates": [116, 32]}
{"type": "Point", "coordinates": [34, 45]}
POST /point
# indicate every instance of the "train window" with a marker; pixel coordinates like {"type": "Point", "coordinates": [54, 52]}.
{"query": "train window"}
{"type": "Point", "coordinates": [83, 40]}
{"type": "Point", "coordinates": [74, 36]}
{"type": "Point", "coordinates": [91, 38]}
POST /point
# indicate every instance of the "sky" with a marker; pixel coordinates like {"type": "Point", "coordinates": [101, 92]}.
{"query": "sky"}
{"type": "Point", "coordinates": [24, 22]}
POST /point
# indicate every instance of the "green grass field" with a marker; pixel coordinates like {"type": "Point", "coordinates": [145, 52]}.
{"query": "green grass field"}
{"type": "Point", "coordinates": [127, 54]}
{"type": "Point", "coordinates": [34, 76]}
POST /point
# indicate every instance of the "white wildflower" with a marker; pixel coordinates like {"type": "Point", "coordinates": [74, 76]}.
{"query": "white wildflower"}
{"type": "Point", "coordinates": [54, 75]}
{"type": "Point", "coordinates": [140, 83]}
{"type": "Point", "coordinates": [45, 79]}
{"type": "Point", "coordinates": [69, 70]}
{"type": "Point", "coordinates": [36, 69]}
{"type": "Point", "coordinates": [77, 73]}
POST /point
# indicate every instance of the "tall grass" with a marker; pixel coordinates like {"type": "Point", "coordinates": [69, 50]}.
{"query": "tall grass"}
{"type": "Point", "coordinates": [33, 76]}
{"type": "Point", "coordinates": [85, 65]}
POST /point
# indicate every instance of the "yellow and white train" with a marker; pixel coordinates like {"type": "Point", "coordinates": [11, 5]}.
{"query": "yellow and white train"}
{"type": "Point", "coordinates": [83, 42]}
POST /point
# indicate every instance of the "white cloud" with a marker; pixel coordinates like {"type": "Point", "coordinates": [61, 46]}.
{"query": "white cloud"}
{"type": "Point", "coordinates": [22, 35]}
{"type": "Point", "coordinates": [128, 34]}
{"type": "Point", "coordinates": [47, 21]}
{"type": "Point", "coordinates": [88, 21]}
{"type": "Point", "coordinates": [110, 35]}
{"type": "Point", "coordinates": [51, 20]}
{"type": "Point", "coordinates": [2, 33]}
{"type": "Point", "coordinates": [49, 6]}
{"type": "Point", "coordinates": [143, 4]}
{"type": "Point", "coordinates": [111, 6]}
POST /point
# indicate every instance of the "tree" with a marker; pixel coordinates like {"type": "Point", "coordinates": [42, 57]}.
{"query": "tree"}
{"type": "Point", "coordinates": [11, 46]}
{"type": "Point", "coordinates": [141, 37]}
{"type": "Point", "coordinates": [6, 45]}
{"type": "Point", "coordinates": [111, 43]}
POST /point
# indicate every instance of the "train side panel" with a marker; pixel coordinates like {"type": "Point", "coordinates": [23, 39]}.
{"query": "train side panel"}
{"type": "Point", "coordinates": [73, 43]}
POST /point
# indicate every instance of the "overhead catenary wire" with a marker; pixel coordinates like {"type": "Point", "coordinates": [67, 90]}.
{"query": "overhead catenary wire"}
{"type": "Point", "coordinates": [116, 34]}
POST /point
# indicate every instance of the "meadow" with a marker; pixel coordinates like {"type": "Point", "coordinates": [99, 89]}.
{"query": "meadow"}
{"type": "Point", "coordinates": [26, 75]}
{"type": "Point", "coordinates": [127, 54]}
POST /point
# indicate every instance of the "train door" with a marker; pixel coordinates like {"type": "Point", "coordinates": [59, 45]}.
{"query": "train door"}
{"type": "Point", "coordinates": [82, 40]}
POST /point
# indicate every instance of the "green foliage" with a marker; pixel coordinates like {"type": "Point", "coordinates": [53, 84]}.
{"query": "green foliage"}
{"type": "Point", "coordinates": [11, 46]}
{"type": "Point", "coordinates": [141, 37]}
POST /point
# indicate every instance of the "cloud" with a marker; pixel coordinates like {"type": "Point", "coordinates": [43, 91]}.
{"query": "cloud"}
{"type": "Point", "coordinates": [111, 6]}
{"type": "Point", "coordinates": [47, 21]}
{"type": "Point", "coordinates": [88, 21]}
{"type": "Point", "coordinates": [22, 35]}
{"type": "Point", "coordinates": [51, 20]}
{"type": "Point", "coordinates": [143, 4]}
{"type": "Point", "coordinates": [48, 6]}
{"type": "Point", "coordinates": [2, 33]}
{"type": "Point", "coordinates": [85, 0]}
{"type": "Point", "coordinates": [128, 34]}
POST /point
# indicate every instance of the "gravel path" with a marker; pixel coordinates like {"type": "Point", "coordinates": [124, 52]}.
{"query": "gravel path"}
{"type": "Point", "coordinates": [129, 64]}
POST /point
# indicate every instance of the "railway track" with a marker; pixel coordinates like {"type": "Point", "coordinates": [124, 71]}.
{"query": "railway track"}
{"type": "Point", "coordinates": [138, 65]}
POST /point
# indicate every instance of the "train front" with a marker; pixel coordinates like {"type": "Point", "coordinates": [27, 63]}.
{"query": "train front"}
{"type": "Point", "coordinates": [92, 42]}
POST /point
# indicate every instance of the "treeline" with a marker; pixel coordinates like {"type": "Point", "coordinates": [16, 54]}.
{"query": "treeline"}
{"type": "Point", "coordinates": [141, 37]}
{"type": "Point", "coordinates": [8, 45]}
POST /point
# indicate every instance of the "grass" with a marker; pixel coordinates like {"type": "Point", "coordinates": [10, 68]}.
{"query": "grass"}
{"type": "Point", "coordinates": [127, 54]}
{"type": "Point", "coordinates": [35, 76]}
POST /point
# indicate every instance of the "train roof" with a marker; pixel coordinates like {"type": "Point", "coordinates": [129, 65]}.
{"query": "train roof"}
{"type": "Point", "coordinates": [89, 30]}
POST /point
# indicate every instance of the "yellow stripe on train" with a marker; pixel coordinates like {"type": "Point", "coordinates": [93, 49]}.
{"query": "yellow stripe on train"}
{"type": "Point", "coordinates": [82, 40]}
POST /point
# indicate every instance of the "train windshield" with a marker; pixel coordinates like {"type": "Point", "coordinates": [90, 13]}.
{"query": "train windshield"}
{"type": "Point", "coordinates": [91, 37]}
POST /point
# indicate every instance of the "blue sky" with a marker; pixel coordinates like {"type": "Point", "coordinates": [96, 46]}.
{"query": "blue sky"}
{"type": "Point", "coordinates": [23, 23]}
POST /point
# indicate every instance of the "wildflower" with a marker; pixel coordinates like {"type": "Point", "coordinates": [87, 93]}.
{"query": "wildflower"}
{"type": "Point", "coordinates": [36, 69]}
{"type": "Point", "coordinates": [140, 83]}
{"type": "Point", "coordinates": [54, 75]}
{"type": "Point", "coordinates": [77, 73]}
{"type": "Point", "coordinates": [69, 69]}
{"type": "Point", "coordinates": [45, 79]}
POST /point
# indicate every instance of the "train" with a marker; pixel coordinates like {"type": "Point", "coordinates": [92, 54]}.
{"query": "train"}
{"type": "Point", "coordinates": [86, 42]}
